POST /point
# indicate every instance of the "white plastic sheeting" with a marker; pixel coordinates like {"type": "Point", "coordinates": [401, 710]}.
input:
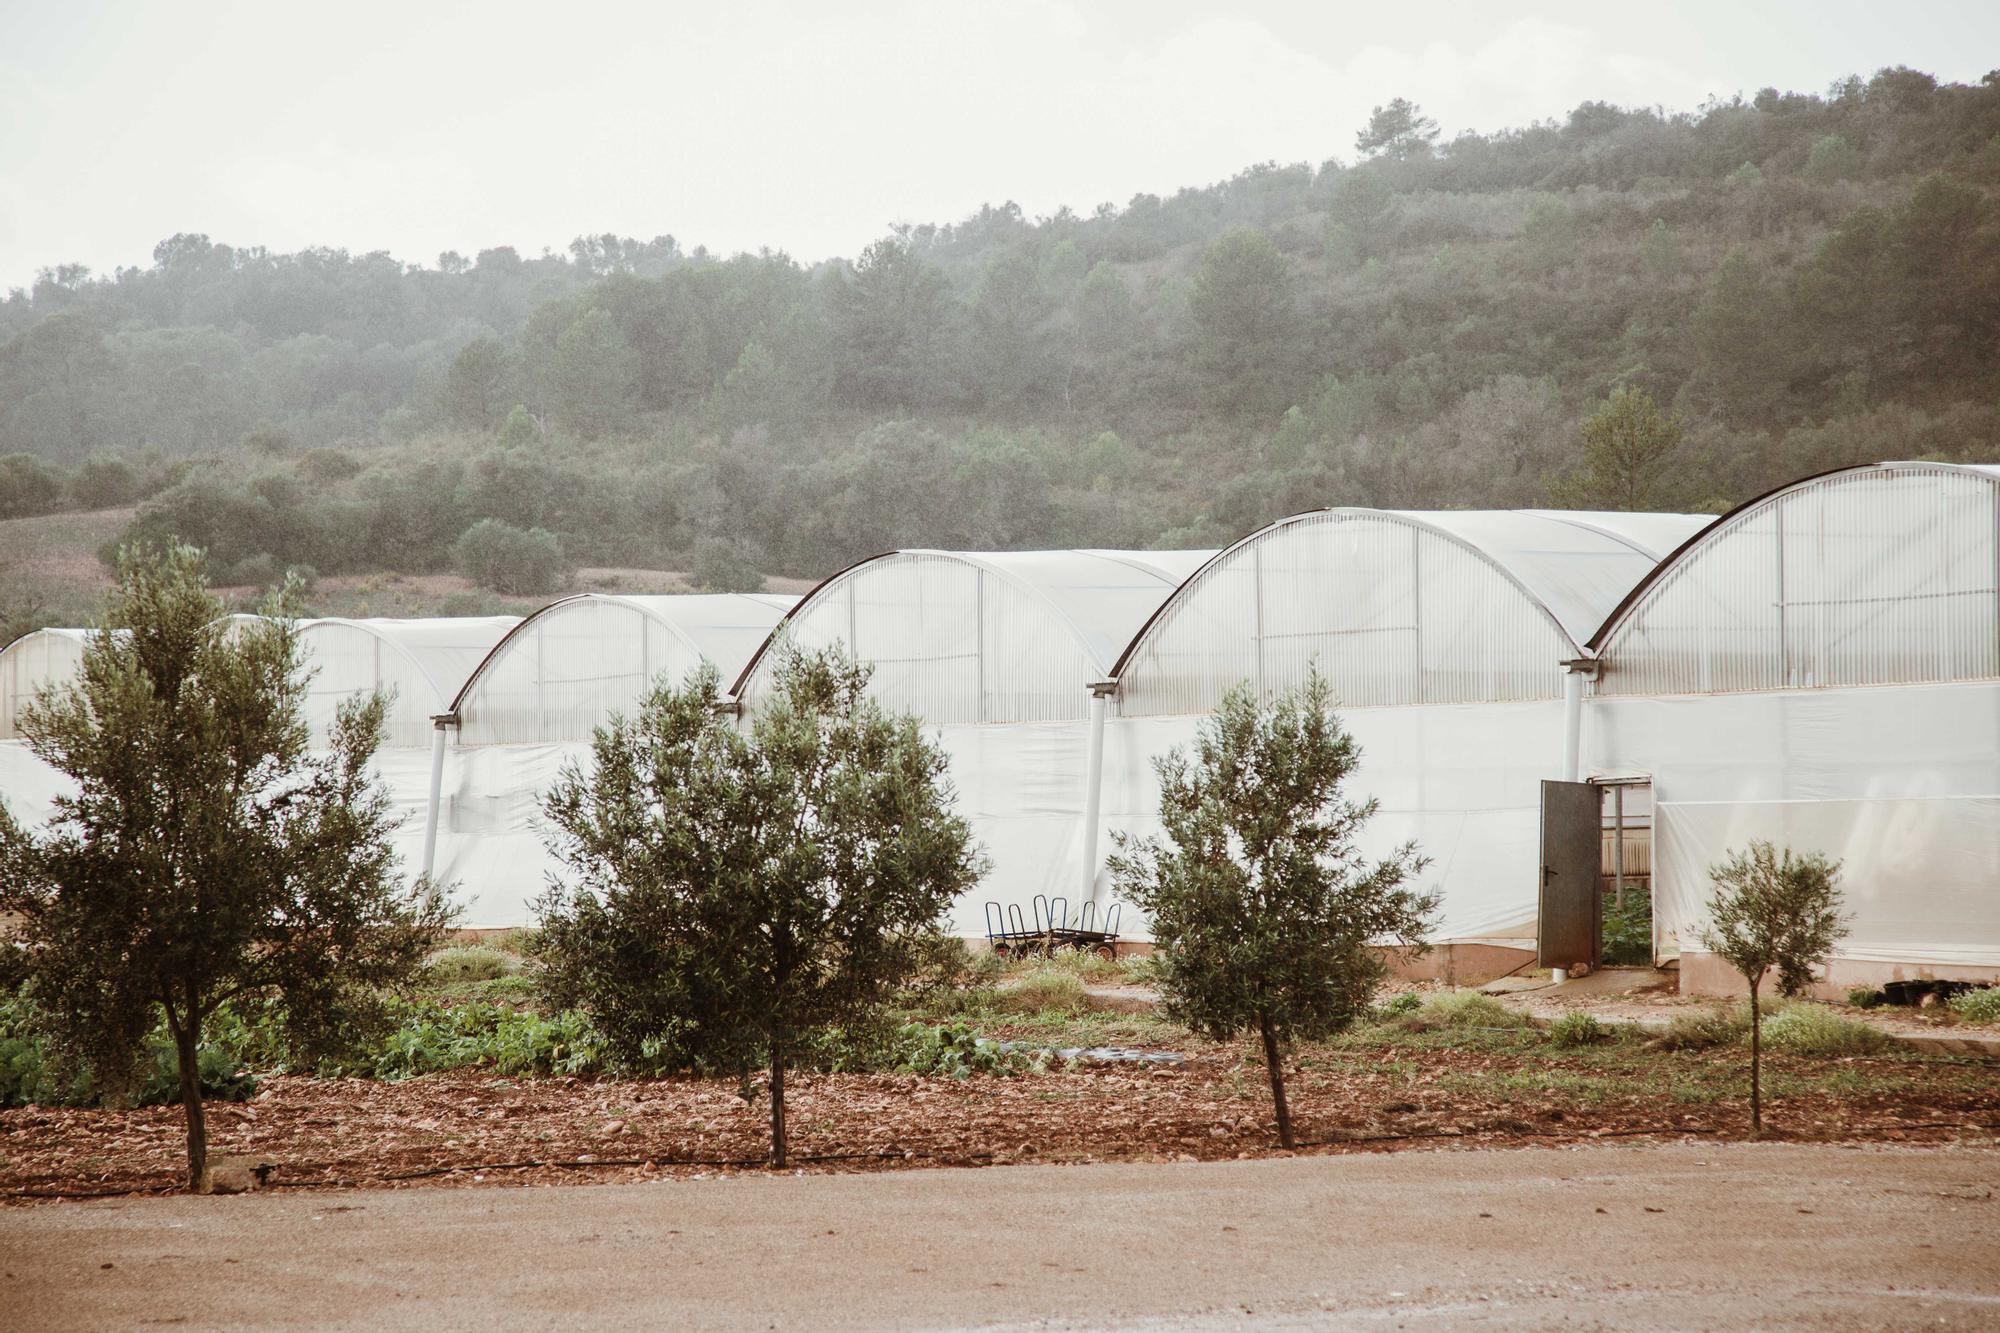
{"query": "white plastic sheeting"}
{"type": "Point", "coordinates": [1899, 783]}
{"type": "Point", "coordinates": [1016, 636]}
{"type": "Point", "coordinates": [32, 663]}
{"type": "Point", "coordinates": [1396, 608]}
{"type": "Point", "coordinates": [420, 663]}
{"type": "Point", "coordinates": [571, 665]}
{"type": "Point", "coordinates": [1461, 781]}
{"type": "Point", "coordinates": [1881, 575]}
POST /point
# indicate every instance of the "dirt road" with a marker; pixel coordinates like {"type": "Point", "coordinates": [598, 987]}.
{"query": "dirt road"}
{"type": "Point", "coordinates": [1688, 1235]}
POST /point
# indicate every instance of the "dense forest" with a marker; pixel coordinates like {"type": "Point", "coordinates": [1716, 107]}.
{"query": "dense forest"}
{"type": "Point", "coordinates": [1753, 290]}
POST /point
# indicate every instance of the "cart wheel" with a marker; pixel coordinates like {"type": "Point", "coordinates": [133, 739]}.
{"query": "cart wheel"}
{"type": "Point", "coordinates": [1108, 952]}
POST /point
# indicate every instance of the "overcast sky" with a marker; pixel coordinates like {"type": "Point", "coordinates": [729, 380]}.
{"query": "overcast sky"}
{"type": "Point", "coordinates": [810, 126]}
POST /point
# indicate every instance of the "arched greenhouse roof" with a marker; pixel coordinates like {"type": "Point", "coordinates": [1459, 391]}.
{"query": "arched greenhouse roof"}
{"type": "Point", "coordinates": [37, 659]}
{"type": "Point", "coordinates": [983, 636]}
{"type": "Point", "coordinates": [423, 661]}
{"type": "Point", "coordinates": [1886, 573]}
{"type": "Point", "coordinates": [566, 668]}
{"type": "Point", "coordinates": [1395, 606]}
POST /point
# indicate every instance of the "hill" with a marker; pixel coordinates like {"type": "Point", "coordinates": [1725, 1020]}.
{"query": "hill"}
{"type": "Point", "coordinates": [1797, 280]}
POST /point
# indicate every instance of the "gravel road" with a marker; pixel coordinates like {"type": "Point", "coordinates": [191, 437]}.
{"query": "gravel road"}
{"type": "Point", "coordinates": [1685, 1235]}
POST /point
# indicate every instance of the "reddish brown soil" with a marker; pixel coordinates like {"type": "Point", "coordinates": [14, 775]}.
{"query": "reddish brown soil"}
{"type": "Point", "coordinates": [473, 1128]}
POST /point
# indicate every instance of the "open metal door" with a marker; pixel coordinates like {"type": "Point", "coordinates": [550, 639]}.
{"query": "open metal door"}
{"type": "Point", "coordinates": [1567, 926]}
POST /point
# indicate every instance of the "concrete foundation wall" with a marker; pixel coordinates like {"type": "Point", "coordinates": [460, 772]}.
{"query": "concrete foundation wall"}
{"type": "Point", "coordinates": [1705, 974]}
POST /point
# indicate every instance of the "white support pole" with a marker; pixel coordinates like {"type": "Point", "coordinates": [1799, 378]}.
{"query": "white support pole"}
{"type": "Point", "coordinates": [1572, 725]}
{"type": "Point", "coordinates": [1093, 790]}
{"type": "Point", "coordinates": [437, 791]}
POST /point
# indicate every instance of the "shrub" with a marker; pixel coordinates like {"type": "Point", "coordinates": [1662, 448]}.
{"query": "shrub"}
{"type": "Point", "coordinates": [463, 963]}
{"type": "Point", "coordinates": [104, 482]}
{"type": "Point", "coordinates": [1978, 1006]}
{"type": "Point", "coordinates": [1864, 997]}
{"type": "Point", "coordinates": [1044, 988]}
{"type": "Point", "coordinates": [1705, 1029]}
{"type": "Point", "coordinates": [725, 565]}
{"type": "Point", "coordinates": [956, 1051]}
{"type": "Point", "coordinates": [1811, 1029]}
{"type": "Point", "coordinates": [507, 559]}
{"type": "Point", "coordinates": [429, 1038]}
{"type": "Point", "coordinates": [1628, 931]}
{"type": "Point", "coordinates": [1458, 1011]}
{"type": "Point", "coordinates": [28, 486]}
{"type": "Point", "coordinates": [1578, 1030]}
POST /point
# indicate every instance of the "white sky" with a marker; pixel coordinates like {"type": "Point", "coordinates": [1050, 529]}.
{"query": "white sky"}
{"type": "Point", "coordinates": [809, 126]}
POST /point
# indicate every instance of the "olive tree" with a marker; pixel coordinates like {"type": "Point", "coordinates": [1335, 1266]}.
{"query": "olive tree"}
{"type": "Point", "coordinates": [1265, 914]}
{"type": "Point", "coordinates": [731, 893]}
{"type": "Point", "coordinates": [206, 854]}
{"type": "Point", "coordinates": [1773, 911]}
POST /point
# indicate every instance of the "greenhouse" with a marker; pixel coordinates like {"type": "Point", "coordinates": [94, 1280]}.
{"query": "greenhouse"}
{"type": "Point", "coordinates": [518, 712]}
{"type": "Point", "coordinates": [1821, 669]}
{"type": "Point", "coordinates": [1445, 638]}
{"type": "Point", "coordinates": [420, 664]}
{"type": "Point", "coordinates": [34, 662]}
{"type": "Point", "coordinates": [999, 653]}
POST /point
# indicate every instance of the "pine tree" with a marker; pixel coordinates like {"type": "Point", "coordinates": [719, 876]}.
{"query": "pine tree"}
{"type": "Point", "coordinates": [206, 856]}
{"type": "Point", "coordinates": [1265, 915]}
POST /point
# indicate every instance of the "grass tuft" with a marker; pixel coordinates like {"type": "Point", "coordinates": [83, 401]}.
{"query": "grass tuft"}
{"type": "Point", "coordinates": [1578, 1029]}
{"type": "Point", "coordinates": [1978, 1006]}
{"type": "Point", "coordinates": [1043, 989]}
{"type": "Point", "coordinates": [1457, 1011]}
{"type": "Point", "coordinates": [1810, 1029]}
{"type": "Point", "coordinates": [469, 962]}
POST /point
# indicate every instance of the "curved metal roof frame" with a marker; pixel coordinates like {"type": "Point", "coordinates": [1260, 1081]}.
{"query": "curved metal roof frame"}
{"type": "Point", "coordinates": [386, 631]}
{"type": "Point", "coordinates": [1438, 523]}
{"type": "Point", "coordinates": [1631, 600]}
{"type": "Point", "coordinates": [651, 607]}
{"type": "Point", "coordinates": [1168, 568]}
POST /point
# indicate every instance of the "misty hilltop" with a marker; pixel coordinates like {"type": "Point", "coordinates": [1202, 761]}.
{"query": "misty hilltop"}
{"type": "Point", "coordinates": [1794, 281]}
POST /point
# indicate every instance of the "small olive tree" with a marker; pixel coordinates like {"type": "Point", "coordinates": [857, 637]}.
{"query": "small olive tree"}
{"type": "Point", "coordinates": [1771, 911]}
{"type": "Point", "coordinates": [1265, 913]}
{"type": "Point", "coordinates": [732, 894]}
{"type": "Point", "coordinates": [206, 855]}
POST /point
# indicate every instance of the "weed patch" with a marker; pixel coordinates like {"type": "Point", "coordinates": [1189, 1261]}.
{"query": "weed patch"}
{"type": "Point", "coordinates": [1978, 1006]}
{"type": "Point", "coordinates": [1810, 1029]}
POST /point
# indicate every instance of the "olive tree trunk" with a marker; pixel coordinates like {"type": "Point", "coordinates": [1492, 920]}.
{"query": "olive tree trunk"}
{"type": "Point", "coordinates": [1756, 1063]}
{"type": "Point", "coordinates": [187, 1046]}
{"type": "Point", "coordinates": [778, 1104]}
{"type": "Point", "coordinates": [1277, 1072]}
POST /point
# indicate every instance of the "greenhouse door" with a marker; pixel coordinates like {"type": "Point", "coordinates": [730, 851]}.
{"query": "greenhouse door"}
{"type": "Point", "coordinates": [1572, 853]}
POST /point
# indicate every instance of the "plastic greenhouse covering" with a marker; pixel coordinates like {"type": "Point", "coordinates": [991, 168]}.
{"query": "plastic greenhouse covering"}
{"type": "Point", "coordinates": [1822, 670]}
{"type": "Point", "coordinates": [977, 637]}
{"type": "Point", "coordinates": [1820, 667]}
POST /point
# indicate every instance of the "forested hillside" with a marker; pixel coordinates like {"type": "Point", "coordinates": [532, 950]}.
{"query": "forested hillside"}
{"type": "Point", "coordinates": [1760, 289]}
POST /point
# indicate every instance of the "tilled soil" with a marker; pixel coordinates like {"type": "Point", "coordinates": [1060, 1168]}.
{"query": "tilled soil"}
{"type": "Point", "coordinates": [473, 1128]}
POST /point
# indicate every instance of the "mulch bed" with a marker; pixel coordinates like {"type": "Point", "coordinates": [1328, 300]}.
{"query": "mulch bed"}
{"type": "Point", "coordinates": [472, 1128]}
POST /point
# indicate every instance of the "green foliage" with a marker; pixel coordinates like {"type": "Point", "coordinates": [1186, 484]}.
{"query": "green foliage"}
{"type": "Point", "coordinates": [722, 565]}
{"type": "Point", "coordinates": [1832, 158]}
{"type": "Point", "coordinates": [28, 486]}
{"type": "Point", "coordinates": [207, 856]}
{"type": "Point", "coordinates": [1774, 911]}
{"type": "Point", "coordinates": [429, 1038]}
{"type": "Point", "coordinates": [730, 894]}
{"type": "Point", "coordinates": [1043, 989]}
{"type": "Point", "coordinates": [502, 557]}
{"type": "Point", "coordinates": [1578, 1029]}
{"type": "Point", "coordinates": [1628, 930]}
{"type": "Point", "coordinates": [463, 963]}
{"type": "Point", "coordinates": [1456, 1011]}
{"type": "Point", "coordinates": [952, 1050]}
{"type": "Point", "coordinates": [1631, 458]}
{"type": "Point", "coordinates": [1705, 1028]}
{"type": "Point", "coordinates": [1864, 997]}
{"type": "Point", "coordinates": [1399, 131]}
{"type": "Point", "coordinates": [1812, 1029]}
{"type": "Point", "coordinates": [1978, 1006]}
{"type": "Point", "coordinates": [1264, 914]}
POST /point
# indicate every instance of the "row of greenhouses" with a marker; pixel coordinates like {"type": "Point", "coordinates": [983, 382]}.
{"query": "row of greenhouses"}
{"type": "Point", "coordinates": [1820, 667]}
